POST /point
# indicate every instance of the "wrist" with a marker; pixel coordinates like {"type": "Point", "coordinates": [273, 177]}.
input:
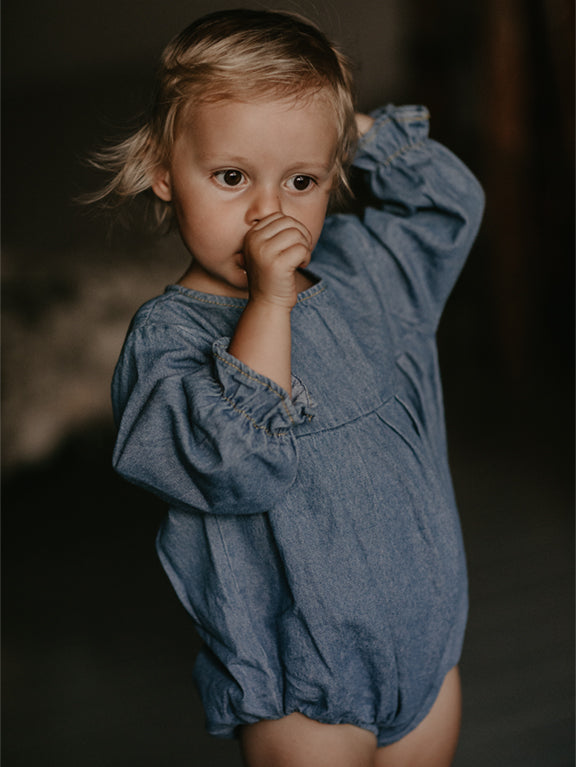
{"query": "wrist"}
{"type": "Point", "coordinates": [276, 306]}
{"type": "Point", "coordinates": [262, 340]}
{"type": "Point", "coordinates": [363, 123]}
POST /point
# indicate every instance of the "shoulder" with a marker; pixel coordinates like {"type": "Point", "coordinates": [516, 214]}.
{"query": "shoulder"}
{"type": "Point", "coordinates": [164, 339]}
{"type": "Point", "coordinates": [182, 312]}
{"type": "Point", "coordinates": [343, 247]}
{"type": "Point", "coordinates": [167, 325]}
{"type": "Point", "coordinates": [169, 308]}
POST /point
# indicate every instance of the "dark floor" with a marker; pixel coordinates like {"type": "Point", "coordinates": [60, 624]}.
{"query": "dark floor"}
{"type": "Point", "coordinates": [98, 652]}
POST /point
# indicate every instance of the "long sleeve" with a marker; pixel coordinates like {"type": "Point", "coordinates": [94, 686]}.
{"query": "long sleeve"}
{"type": "Point", "coordinates": [198, 427]}
{"type": "Point", "coordinates": [423, 213]}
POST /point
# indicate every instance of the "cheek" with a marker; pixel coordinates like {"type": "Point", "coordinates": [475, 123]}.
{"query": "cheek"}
{"type": "Point", "coordinates": [209, 230]}
{"type": "Point", "coordinates": [315, 218]}
{"type": "Point", "coordinates": [195, 217]}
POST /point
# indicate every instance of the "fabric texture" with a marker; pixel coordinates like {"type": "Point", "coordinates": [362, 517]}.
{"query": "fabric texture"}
{"type": "Point", "coordinates": [314, 538]}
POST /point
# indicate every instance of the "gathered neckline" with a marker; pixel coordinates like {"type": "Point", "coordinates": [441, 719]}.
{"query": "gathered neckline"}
{"type": "Point", "coordinates": [232, 301]}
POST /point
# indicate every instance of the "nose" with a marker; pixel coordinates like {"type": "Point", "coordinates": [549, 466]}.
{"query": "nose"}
{"type": "Point", "coordinates": [263, 201]}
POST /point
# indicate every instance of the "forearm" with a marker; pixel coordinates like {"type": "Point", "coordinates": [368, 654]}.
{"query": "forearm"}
{"type": "Point", "coordinates": [262, 340]}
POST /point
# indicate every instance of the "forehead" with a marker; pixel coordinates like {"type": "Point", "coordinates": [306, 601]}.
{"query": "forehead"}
{"type": "Point", "coordinates": [282, 125]}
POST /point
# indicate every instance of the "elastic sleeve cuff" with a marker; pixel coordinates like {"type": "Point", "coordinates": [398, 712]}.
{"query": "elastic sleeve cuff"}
{"type": "Point", "coordinates": [395, 131]}
{"type": "Point", "coordinates": [264, 403]}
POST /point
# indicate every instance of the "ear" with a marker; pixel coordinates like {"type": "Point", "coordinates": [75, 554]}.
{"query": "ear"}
{"type": "Point", "coordinates": [162, 184]}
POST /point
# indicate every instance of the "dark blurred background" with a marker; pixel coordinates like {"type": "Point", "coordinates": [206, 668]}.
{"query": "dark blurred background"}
{"type": "Point", "coordinates": [97, 652]}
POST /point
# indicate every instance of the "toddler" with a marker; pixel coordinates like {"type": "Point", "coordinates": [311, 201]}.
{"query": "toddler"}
{"type": "Point", "coordinates": [283, 396]}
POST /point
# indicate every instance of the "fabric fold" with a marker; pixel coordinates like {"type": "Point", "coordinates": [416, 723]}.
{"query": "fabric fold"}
{"type": "Point", "coordinates": [264, 403]}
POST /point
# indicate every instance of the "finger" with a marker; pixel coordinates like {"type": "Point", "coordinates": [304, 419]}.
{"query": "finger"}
{"type": "Point", "coordinates": [276, 245]}
{"type": "Point", "coordinates": [267, 245]}
{"type": "Point", "coordinates": [263, 222]}
{"type": "Point", "coordinates": [297, 255]}
{"type": "Point", "coordinates": [277, 222]}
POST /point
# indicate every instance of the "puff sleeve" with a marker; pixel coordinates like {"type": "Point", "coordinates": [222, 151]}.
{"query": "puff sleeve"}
{"type": "Point", "coordinates": [198, 427]}
{"type": "Point", "coordinates": [423, 212]}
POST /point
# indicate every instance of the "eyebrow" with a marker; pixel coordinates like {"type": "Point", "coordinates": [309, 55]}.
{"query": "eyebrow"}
{"type": "Point", "coordinates": [319, 166]}
{"type": "Point", "coordinates": [295, 166]}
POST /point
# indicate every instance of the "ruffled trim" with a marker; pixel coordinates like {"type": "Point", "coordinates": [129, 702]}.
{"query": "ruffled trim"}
{"type": "Point", "coordinates": [264, 403]}
{"type": "Point", "coordinates": [395, 131]}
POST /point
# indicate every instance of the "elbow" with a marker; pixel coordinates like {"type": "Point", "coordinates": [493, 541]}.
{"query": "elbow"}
{"type": "Point", "coordinates": [477, 203]}
{"type": "Point", "coordinates": [466, 214]}
{"type": "Point", "coordinates": [209, 485]}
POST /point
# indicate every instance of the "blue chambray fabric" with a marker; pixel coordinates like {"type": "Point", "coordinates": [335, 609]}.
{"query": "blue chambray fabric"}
{"type": "Point", "coordinates": [314, 539]}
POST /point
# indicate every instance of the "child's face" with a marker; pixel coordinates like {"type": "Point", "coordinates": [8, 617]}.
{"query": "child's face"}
{"type": "Point", "coordinates": [234, 163]}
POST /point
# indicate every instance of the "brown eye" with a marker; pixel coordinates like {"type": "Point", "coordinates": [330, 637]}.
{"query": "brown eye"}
{"type": "Point", "coordinates": [229, 177]}
{"type": "Point", "coordinates": [232, 177]}
{"type": "Point", "coordinates": [301, 183]}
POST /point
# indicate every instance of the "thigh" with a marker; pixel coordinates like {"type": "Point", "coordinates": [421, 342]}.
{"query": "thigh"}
{"type": "Point", "coordinates": [434, 741]}
{"type": "Point", "coordinates": [296, 741]}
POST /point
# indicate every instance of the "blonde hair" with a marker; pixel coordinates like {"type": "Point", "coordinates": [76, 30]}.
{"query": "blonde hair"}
{"type": "Point", "coordinates": [237, 55]}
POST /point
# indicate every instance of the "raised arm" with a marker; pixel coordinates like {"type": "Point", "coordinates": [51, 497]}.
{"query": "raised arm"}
{"type": "Point", "coordinates": [422, 213]}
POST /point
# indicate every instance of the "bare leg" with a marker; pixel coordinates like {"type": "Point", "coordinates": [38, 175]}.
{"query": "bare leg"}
{"type": "Point", "coordinates": [296, 741]}
{"type": "Point", "coordinates": [433, 743]}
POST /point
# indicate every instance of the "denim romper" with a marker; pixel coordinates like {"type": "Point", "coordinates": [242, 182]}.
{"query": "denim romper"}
{"type": "Point", "coordinates": [314, 539]}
